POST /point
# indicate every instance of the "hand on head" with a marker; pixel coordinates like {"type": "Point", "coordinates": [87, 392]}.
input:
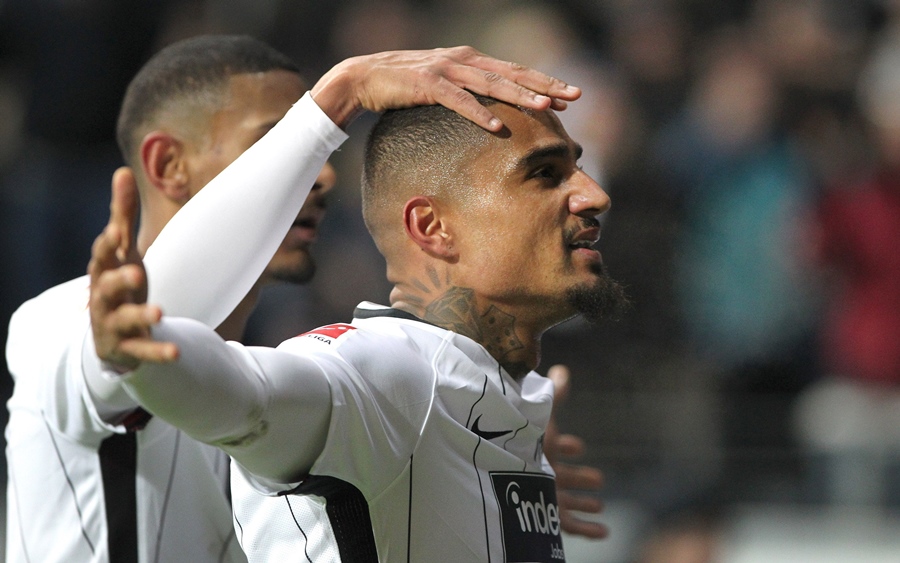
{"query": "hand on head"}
{"type": "Point", "coordinates": [570, 478]}
{"type": "Point", "coordinates": [120, 316]}
{"type": "Point", "coordinates": [400, 79]}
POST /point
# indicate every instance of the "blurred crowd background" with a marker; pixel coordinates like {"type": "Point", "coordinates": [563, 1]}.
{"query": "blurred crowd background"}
{"type": "Point", "coordinates": [751, 149]}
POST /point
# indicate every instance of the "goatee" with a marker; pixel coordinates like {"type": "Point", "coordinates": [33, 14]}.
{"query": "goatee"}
{"type": "Point", "coordinates": [604, 299]}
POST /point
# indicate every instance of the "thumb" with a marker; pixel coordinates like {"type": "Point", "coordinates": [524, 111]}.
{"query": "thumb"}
{"type": "Point", "coordinates": [559, 375]}
{"type": "Point", "coordinates": [123, 208]}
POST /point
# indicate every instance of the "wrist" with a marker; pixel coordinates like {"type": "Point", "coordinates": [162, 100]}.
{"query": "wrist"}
{"type": "Point", "coordinates": [336, 96]}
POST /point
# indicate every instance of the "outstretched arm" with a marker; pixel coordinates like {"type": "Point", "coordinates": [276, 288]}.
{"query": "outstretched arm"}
{"type": "Point", "coordinates": [247, 401]}
{"type": "Point", "coordinates": [570, 479]}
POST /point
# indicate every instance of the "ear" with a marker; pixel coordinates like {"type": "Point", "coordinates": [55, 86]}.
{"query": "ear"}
{"type": "Point", "coordinates": [425, 226]}
{"type": "Point", "coordinates": [164, 164]}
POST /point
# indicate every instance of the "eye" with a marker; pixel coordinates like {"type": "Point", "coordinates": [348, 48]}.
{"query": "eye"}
{"type": "Point", "coordinates": [547, 172]}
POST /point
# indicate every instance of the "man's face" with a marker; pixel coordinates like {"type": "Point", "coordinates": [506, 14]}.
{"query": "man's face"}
{"type": "Point", "coordinates": [256, 103]}
{"type": "Point", "coordinates": [529, 226]}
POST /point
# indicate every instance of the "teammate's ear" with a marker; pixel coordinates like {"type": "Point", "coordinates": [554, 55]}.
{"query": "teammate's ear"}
{"type": "Point", "coordinates": [425, 226]}
{"type": "Point", "coordinates": [164, 165]}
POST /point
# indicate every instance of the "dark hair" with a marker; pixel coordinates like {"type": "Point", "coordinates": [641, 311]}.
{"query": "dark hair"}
{"type": "Point", "coordinates": [427, 145]}
{"type": "Point", "coordinates": [193, 69]}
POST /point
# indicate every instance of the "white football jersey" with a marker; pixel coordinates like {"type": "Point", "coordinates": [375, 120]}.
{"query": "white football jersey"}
{"type": "Point", "coordinates": [170, 502]}
{"type": "Point", "coordinates": [81, 489]}
{"type": "Point", "coordinates": [434, 453]}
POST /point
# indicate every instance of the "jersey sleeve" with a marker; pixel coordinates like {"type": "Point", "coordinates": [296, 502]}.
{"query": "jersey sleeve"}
{"type": "Point", "coordinates": [211, 253]}
{"type": "Point", "coordinates": [267, 409]}
{"type": "Point", "coordinates": [44, 355]}
{"type": "Point", "coordinates": [381, 395]}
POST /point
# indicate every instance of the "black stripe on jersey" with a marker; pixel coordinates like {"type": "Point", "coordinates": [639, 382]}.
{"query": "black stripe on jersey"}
{"type": "Point", "coordinates": [360, 313]}
{"type": "Point", "coordinates": [409, 513]}
{"type": "Point", "coordinates": [165, 506]}
{"type": "Point", "coordinates": [62, 464]}
{"type": "Point", "coordinates": [516, 433]}
{"type": "Point", "coordinates": [487, 536]}
{"type": "Point", "coordinates": [299, 527]}
{"type": "Point", "coordinates": [472, 408]}
{"type": "Point", "coordinates": [118, 467]}
{"type": "Point", "coordinates": [348, 512]}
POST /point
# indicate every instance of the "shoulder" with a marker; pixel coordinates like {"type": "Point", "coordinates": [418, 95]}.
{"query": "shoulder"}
{"type": "Point", "coordinates": [48, 320]}
{"type": "Point", "coordinates": [381, 352]}
{"type": "Point", "coordinates": [59, 303]}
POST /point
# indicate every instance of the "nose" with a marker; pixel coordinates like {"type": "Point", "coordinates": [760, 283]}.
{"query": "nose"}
{"type": "Point", "coordinates": [587, 199]}
{"type": "Point", "coordinates": [325, 180]}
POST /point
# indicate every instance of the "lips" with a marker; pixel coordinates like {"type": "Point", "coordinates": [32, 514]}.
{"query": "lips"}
{"type": "Point", "coordinates": [304, 229]}
{"type": "Point", "coordinates": [584, 238]}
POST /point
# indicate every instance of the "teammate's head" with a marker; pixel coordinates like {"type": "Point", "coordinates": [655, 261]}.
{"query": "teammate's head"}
{"type": "Point", "coordinates": [187, 77]}
{"type": "Point", "coordinates": [194, 108]}
{"type": "Point", "coordinates": [509, 216]}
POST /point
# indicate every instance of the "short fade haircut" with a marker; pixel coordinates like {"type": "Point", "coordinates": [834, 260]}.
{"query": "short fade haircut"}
{"type": "Point", "coordinates": [429, 147]}
{"type": "Point", "coordinates": [192, 69]}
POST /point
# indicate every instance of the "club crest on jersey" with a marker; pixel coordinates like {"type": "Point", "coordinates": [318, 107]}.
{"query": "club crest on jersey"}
{"type": "Point", "coordinates": [529, 516]}
{"type": "Point", "coordinates": [329, 333]}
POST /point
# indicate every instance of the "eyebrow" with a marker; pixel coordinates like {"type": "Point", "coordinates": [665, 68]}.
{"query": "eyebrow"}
{"type": "Point", "coordinates": [539, 154]}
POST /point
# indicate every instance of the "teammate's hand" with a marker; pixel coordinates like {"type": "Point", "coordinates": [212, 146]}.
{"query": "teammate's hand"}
{"type": "Point", "coordinates": [120, 316]}
{"type": "Point", "coordinates": [400, 79]}
{"type": "Point", "coordinates": [571, 478]}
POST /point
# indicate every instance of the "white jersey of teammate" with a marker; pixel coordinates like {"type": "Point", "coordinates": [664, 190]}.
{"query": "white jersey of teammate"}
{"type": "Point", "coordinates": [434, 453]}
{"type": "Point", "coordinates": [84, 489]}
{"type": "Point", "coordinates": [172, 502]}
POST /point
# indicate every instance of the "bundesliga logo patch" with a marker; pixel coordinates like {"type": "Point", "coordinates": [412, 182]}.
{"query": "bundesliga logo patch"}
{"type": "Point", "coordinates": [529, 517]}
{"type": "Point", "coordinates": [330, 332]}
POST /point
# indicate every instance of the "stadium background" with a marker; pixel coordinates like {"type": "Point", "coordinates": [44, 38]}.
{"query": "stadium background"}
{"type": "Point", "coordinates": [716, 126]}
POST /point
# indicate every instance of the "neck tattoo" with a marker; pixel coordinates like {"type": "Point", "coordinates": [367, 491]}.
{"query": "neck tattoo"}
{"type": "Point", "coordinates": [494, 329]}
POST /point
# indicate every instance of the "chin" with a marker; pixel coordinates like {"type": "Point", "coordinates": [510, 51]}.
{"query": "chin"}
{"type": "Point", "coordinates": [602, 298]}
{"type": "Point", "coordinates": [291, 271]}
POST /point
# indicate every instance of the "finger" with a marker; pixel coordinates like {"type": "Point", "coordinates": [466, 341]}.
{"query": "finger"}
{"type": "Point", "coordinates": [454, 97]}
{"type": "Point", "coordinates": [103, 251]}
{"type": "Point", "coordinates": [558, 105]}
{"type": "Point", "coordinates": [123, 208]}
{"type": "Point", "coordinates": [529, 78]}
{"type": "Point", "coordinates": [110, 288]}
{"type": "Point", "coordinates": [131, 320]}
{"type": "Point", "coordinates": [578, 477]}
{"type": "Point", "coordinates": [559, 375]}
{"type": "Point", "coordinates": [565, 445]}
{"type": "Point", "coordinates": [454, 90]}
{"type": "Point", "coordinates": [581, 503]}
{"type": "Point", "coordinates": [579, 527]}
{"type": "Point", "coordinates": [149, 350]}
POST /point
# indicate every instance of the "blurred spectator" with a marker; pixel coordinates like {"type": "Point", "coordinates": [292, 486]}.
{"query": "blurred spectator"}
{"type": "Point", "coordinates": [651, 41]}
{"type": "Point", "coordinates": [850, 420]}
{"type": "Point", "coordinates": [746, 301]}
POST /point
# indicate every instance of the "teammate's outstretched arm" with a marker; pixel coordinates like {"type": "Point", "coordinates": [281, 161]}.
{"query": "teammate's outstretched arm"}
{"type": "Point", "coordinates": [246, 401]}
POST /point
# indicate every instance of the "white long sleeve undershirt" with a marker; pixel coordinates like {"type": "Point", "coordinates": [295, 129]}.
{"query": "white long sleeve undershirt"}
{"type": "Point", "coordinates": [249, 401]}
{"type": "Point", "coordinates": [211, 253]}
